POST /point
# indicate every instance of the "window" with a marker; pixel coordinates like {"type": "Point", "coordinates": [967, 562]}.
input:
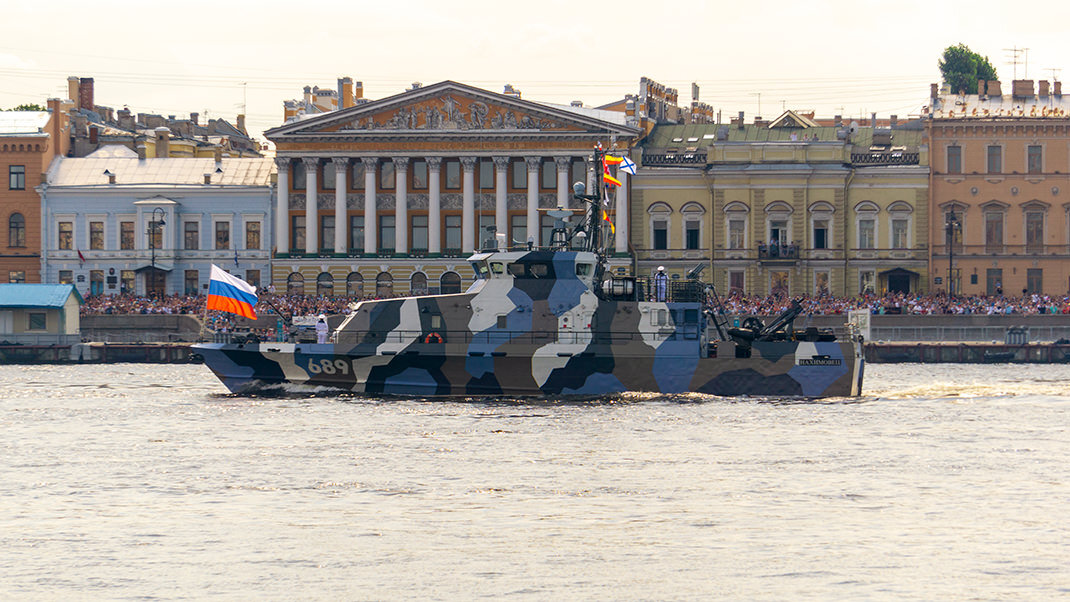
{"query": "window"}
{"type": "Point", "coordinates": [954, 159]}
{"type": "Point", "coordinates": [453, 177]}
{"type": "Point", "coordinates": [126, 281]}
{"type": "Point", "coordinates": [994, 232]}
{"type": "Point", "coordinates": [38, 321]}
{"type": "Point", "coordinates": [661, 233]}
{"type": "Point", "coordinates": [821, 234]}
{"type": "Point", "coordinates": [66, 277]}
{"type": "Point", "coordinates": [546, 230]}
{"type": "Point", "coordinates": [449, 283]}
{"type": "Point", "coordinates": [126, 236]}
{"type": "Point", "coordinates": [736, 234]}
{"type": "Point", "coordinates": [995, 159]}
{"type": "Point", "coordinates": [1034, 280]}
{"type": "Point", "coordinates": [518, 234]}
{"type": "Point", "coordinates": [453, 233]}
{"type": "Point", "coordinates": [297, 232]}
{"type": "Point", "coordinates": [520, 174]}
{"type": "Point", "coordinates": [16, 276]}
{"type": "Point", "coordinates": [419, 174]}
{"type": "Point", "coordinates": [96, 236]}
{"type": "Point", "coordinates": [326, 232]}
{"type": "Point", "coordinates": [253, 277]}
{"type": "Point", "coordinates": [900, 228]}
{"type": "Point", "coordinates": [354, 285]}
{"type": "Point", "coordinates": [295, 284]}
{"type": "Point", "coordinates": [222, 235]}
{"type": "Point", "coordinates": [96, 282]}
{"type": "Point", "coordinates": [191, 236]}
{"type": "Point", "coordinates": [384, 285]}
{"type": "Point", "coordinates": [486, 174]}
{"type": "Point", "coordinates": [387, 179]}
{"type": "Point", "coordinates": [418, 283]}
{"type": "Point", "coordinates": [419, 233]}
{"type": "Point", "coordinates": [191, 282]}
{"type": "Point", "coordinates": [692, 229]}
{"type": "Point", "coordinates": [329, 178]}
{"type": "Point", "coordinates": [16, 177]}
{"type": "Point", "coordinates": [865, 282]}
{"type": "Point", "coordinates": [300, 176]}
{"type": "Point", "coordinates": [1034, 232]}
{"type": "Point", "coordinates": [357, 182]}
{"type": "Point", "coordinates": [356, 233]}
{"type": "Point", "coordinates": [1035, 159]}
{"type": "Point", "coordinates": [252, 235]}
{"type": "Point", "coordinates": [16, 230]}
{"type": "Point", "coordinates": [735, 281]}
{"type": "Point", "coordinates": [578, 171]}
{"type": "Point", "coordinates": [386, 233]}
{"type": "Point", "coordinates": [325, 284]}
{"type": "Point", "coordinates": [778, 283]}
{"type": "Point", "coordinates": [548, 175]}
{"type": "Point", "coordinates": [66, 236]}
{"type": "Point", "coordinates": [866, 233]}
{"type": "Point", "coordinates": [821, 283]}
{"type": "Point", "coordinates": [486, 232]}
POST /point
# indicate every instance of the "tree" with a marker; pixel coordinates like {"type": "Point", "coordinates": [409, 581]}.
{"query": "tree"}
{"type": "Point", "coordinates": [962, 67]}
{"type": "Point", "coordinates": [29, 107]}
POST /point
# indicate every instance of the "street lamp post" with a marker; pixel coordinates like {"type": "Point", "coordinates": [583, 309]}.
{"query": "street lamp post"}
{"type": "Point", "coordinates": [951, 226]}
{"type": "Point", "coordinates": [154, 225]}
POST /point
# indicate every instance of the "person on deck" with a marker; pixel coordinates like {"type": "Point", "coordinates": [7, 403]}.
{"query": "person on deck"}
{"type": "Point", "coordinates": [661, 283]}
{"type": "Point", "coordinates": [321, 330]}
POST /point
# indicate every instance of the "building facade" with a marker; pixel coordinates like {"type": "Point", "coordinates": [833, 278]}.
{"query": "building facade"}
{"type": "Point", "coordinates": [29, 140]}
{"type": "Point", "coordinates": [788, 207]}
{"type": "Point", "coordinates": [1000, 183]}
{"type": "Point", "coordinates": [116, 223]}
{"type": "Point", "coordinates": [391, 196]}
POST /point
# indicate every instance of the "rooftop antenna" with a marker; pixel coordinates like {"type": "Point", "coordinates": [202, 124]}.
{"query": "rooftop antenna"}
{"type": "Point", "coordinates": [1015, 53]}
{"type": "Point", "coordinates": [244, 97]}
{"type": "Point", "coordinates": [1054, 73]}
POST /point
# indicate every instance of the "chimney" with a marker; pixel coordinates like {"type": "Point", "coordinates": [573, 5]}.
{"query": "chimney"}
{"type": "Point", "coordinates": [1059, 89]}
{"type": "Point", "coordinates": [838, 120]}
{"type": "Point", "coordinates": [345, 90]}
{"type": "Point", "coordinates": [416, 85]}
{"type": "Point", "coordinates": [72, 90]}
{"type": "Point", "coordinates": [141, 151]}
{"type": "Point", "coordinates": [207, 178]}
{"type": "Point", "coordinates": [194, 117]}
{"type": "Point", "coordinates": [934, 90]}
{"type": "Point", "coordinates": [241, 125]}
{"type": "Point", "coordinates": [872, 120]}
{"type": "Point", "coordinates": [111, 176]}
{"type": "Point", "coordinates": [740, 124]}
{"type": "Point", "coordinates": [56, 124]}
{"type": "Point", "coordinates": [218, 152]}
{"type": "Point", "coordinates": [1043, 88]}
{"type": "Point", "coordinates": [994, 88]}
{"type": "Point", "coordinates": [358, 90]}
{"type": "Point", "coordinates": [308, 96]}
{"type": "Point", "coordinates": [93, 134]}
{"type": "Point", "coordinates": [85, 93]}
{"type": "Point", "coordinates": [1022, 88]}
{"type": "Point", "coordinates": [126, 120]}
{"type": "Point", "coordinates": [163, 143]}
{"type": "Point", "coordinates": [893, 120]}
{"type": "Point", "coordinates": [981, 87]}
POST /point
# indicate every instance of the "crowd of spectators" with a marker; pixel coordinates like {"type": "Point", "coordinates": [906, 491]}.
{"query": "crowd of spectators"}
{"type": "Point", "coordinates": [297, 305]}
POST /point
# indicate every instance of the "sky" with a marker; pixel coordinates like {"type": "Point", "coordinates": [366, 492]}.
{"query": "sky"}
{"type": "Point", "coordinates": [850, 57]}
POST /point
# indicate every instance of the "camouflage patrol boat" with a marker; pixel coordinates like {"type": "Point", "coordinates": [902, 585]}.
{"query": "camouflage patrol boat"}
{"type": "Point", "coordinates": [551, 322]}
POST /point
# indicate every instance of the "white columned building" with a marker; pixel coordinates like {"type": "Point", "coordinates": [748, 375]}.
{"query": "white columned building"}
{"type": "Point", "coordinates": [282, 206]}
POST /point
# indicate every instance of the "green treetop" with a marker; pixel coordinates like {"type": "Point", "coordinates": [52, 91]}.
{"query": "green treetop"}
{"type": "Point", "coordinates": [962, 67]}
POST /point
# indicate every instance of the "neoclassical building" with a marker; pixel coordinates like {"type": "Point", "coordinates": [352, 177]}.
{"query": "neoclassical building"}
{"type": "Point", "coordinates": [789, 206]}
{"type": "Point", "coordinates": [391, 196]}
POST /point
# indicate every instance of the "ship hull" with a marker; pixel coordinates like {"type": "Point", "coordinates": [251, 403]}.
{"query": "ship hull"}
{"type": "Point", "coordinates": [773, 369]}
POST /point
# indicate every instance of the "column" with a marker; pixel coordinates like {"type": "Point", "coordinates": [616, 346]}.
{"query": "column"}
{"type": "Point", "coordinates": [501, 205]}
{"type": "Point", "coordinates": [434, 208]}
{"type": "Point", "coordinates": [564, 191]}
{"type": "Point", "coordinates": [312, 230]}
{"type": "Point", "coordinates": [533, 199]}
{"type": "Point", "coordinates": [282, 206]}
{"type": "Point", "coordinates": [401, 205]}
{"type": "Point", "coordinates": [621, 222]}
{"type": "Point", "coordinates": [341, 223]}
{"type": "Point", "coordinates": [370, 164]}
{"type": "Point", "coordinates": [468, 208]}
{"type": "Point", "coordinates": [590, 182]}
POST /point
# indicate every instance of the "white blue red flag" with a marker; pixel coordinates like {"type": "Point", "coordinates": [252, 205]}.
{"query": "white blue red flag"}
{"type": "Point", "coordinates": [231, 294]}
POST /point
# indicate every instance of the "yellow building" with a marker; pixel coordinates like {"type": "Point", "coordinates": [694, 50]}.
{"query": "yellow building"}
{"type": "Point", "coordinates": [789, 206]}
{"type": "Point", "coordinates": [1001, 167]}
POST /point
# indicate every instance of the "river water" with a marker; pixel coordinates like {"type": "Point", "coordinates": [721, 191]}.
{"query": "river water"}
{"type": "Point", "coordinates": [148, 481]}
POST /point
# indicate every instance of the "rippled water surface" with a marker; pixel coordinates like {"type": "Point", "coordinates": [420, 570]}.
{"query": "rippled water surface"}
{"type": "Point", "coordinates": [145, 481]}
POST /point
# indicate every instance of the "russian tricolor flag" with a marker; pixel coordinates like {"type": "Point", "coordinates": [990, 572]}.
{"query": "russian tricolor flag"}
{"type": "Point", "coordinates": [231, 294]}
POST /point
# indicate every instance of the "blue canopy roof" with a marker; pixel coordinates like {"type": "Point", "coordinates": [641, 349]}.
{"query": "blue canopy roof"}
{"type": "Point", "coordinates": [37, 295]}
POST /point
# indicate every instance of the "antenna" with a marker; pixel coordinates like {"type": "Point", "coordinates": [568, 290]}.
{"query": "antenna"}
{"type": "Point", "coordinates": [244, 97]}
{"type": "Point", "coordinates": [1015, 53]}
{"type": "Point", "coordinates": [1054, 73]}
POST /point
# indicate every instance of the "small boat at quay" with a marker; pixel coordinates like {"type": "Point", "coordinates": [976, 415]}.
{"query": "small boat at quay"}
{"type": "Point", "coordinates": [550, 322]}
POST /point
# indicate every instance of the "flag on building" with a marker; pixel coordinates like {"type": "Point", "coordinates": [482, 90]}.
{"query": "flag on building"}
{"type": "Point", "coordinates": [81, 258]}
{"type": "Point", "coordinates": [235, 258]}
{"type": "Point", "coordinates": [231, 294]}
{"type": "Point", "coordinates": [627, 165]}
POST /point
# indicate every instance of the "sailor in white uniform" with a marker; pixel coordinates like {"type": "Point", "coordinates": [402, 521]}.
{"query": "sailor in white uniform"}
{"type": "Point", "coordinates": [321, 329]}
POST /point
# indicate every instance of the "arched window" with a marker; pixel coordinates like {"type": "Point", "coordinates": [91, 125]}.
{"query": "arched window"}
{"type": "Point", "coordinates": [295, 284]}
{"type": "Point", "coordinates": [355, 285]}
{"type": "Point", "coordinates": [418, 284]}
{"type": "Point", "coordinates": [901, 224]}
{"type": "Point", "coordinates": [16, 231]}
{"type": "Point", "coordinates": [866, 217]}
{"type": "Point", "coordinates": [450, 283]}
{"type": "Point", "coordinates": [324, 284]}
{"type": "Point", "coordinates": [736, 214]}
{"type": "Point", "coordinates": [384, 285]}
{"type": "Point", "coordinates": [821, 225]}
{"type": "Point", "coordinates": [693, 232]}
{"type": "Point", "coordinates": [660, 222]}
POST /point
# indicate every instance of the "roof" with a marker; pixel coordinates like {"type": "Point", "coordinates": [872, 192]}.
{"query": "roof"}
{"type": "Point", "coordinates": [972, 106]}
{"type": "Point", "coordinates": [37, 295]}
{"type": "Point", "coordinates": [131, 171]}
{"type": "Point", "coordinates": [704, 135]}
{"type": "Point", "coordinates": [616, 117]}
{"type": "Point", "coordinates": [15, 123]}
{"type": "Point", "coordinates": [112, 150]}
